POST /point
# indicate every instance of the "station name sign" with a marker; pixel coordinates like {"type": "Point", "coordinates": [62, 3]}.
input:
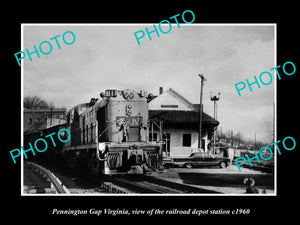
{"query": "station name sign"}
{"type": "Point", "coordinates": [169, 106]}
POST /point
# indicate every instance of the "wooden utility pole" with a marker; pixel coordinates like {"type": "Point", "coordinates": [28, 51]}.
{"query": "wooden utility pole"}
{"type": "Point", "coordinates": [51, 112]}
{"type": "Point", "coordinates": [254, 141]}
{"type": "Point", "coordinates": [231, 137]}
{"type": "Point", "coordinates": [221, 132]}
{"type": "Point", "coordinates": [200, 113]}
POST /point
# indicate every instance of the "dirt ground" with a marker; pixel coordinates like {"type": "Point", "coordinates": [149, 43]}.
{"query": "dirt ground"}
{"type": "Point", "coordinates": [227, 181]}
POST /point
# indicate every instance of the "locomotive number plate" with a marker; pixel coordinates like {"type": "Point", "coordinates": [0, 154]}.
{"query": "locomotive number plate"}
{"type": "Point", "coordinates": [129, 121]}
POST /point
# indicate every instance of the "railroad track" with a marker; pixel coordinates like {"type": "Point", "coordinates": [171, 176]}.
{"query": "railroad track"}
{"type": "Point", "coordinates": [42, 180]}
{"type": "Point", "coordinates": [117, 184]}
{"type": "Point", "coordinates": [149, 185]}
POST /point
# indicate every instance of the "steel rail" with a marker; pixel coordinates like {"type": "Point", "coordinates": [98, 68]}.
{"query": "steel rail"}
{"type": "Point", "coordinates": [139, 185]}
{"type": "Point", "coordinates": [58, 185]}
{"type": "Point", "coordinates": [151, 185]}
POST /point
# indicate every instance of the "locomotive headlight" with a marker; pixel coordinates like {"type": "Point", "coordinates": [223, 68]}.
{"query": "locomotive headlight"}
{"type": "Point", "coordinates": [102, 147]}
{"type": "Point", "coordinates": [128, 110]}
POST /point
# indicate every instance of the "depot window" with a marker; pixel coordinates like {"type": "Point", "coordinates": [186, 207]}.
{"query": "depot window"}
{"type": "Point", "coordinates": [186, 140]}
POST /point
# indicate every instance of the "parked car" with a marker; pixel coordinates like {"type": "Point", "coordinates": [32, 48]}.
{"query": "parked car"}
{"type": "Point", "coordinates": [199, 159]}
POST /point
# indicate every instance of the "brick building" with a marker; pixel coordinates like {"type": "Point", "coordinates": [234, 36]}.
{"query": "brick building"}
{"type": "Point", "coordinates": [37, 119]}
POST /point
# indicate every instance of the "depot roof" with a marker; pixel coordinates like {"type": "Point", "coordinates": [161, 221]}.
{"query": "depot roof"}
{"type": "Point", "coordinates": [172, 107]}
{"type": "Point", "coordinates": [186, 117]}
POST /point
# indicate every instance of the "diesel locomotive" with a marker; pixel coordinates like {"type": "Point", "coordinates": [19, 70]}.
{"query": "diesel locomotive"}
{"type": "Point", "coordinates": [111, 136]}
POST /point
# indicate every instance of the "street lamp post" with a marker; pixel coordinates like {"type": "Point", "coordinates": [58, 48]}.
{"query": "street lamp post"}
{"type": "Point", "coordinates": [200, 113]}
{"type": "Point", "coordinates": [215, 98]}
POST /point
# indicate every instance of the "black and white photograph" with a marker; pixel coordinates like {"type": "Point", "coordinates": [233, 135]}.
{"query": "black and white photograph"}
{"type": "Point", "coordinates": [143, 113]}
{"type": "Point", "coordinates": [129, 113]}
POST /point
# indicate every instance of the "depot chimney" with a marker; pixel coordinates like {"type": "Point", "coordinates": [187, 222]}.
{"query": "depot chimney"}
{"type": "Point", "coordinates": [161, 90]}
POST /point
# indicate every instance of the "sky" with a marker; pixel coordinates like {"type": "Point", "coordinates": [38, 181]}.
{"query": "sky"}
{"type": "Point", "coordinates": [107, 56]}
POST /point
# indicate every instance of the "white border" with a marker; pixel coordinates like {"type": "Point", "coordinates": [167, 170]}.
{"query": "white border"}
{"type": "Point", "coordinates": [149, 24]}
{"type": "Point", "coordinates": [22, 113]}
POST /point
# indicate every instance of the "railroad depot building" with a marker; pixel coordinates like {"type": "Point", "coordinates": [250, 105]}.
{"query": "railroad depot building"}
{"type": "Point", "coordinates": [176, 121]}
{"type": "Point", "coordinates": [38, 119]}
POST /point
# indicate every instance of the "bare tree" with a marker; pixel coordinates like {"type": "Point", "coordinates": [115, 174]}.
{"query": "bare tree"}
{"type": "Point", "coordinates": [35, 102]}
{"type": "Point", "coordinates": [238, 138]}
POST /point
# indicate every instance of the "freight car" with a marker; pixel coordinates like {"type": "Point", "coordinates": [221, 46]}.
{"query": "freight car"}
{"type": "Point", "coordinates": [111, 136]}
{"type": "Point", "coordinates": [54, 146]}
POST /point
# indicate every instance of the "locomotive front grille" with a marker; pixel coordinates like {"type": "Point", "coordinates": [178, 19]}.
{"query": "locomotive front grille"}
{"type": "Point", "coordinates": [152, 159]}
{"type": "Point", "coordinates": [114, 160]}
